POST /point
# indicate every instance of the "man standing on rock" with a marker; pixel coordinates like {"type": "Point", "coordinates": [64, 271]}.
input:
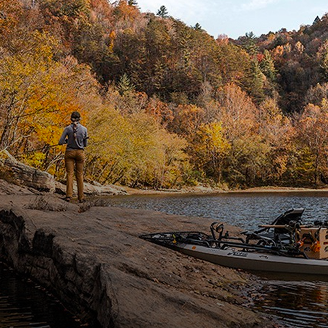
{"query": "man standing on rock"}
{"type": "Point", "coordinates": [75, 136]}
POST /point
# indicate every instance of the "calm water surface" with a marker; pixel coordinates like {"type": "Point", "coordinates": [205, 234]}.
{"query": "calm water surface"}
{"type": "Point", "coordinates": [246, 210]}
{"type": "Point", "coordinates": [26, 305]}
{"type": "Point", "coordinates": [294, 301]}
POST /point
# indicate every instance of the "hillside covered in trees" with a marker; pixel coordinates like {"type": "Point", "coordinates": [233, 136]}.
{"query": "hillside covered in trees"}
{"type": "Point", "coordinates": [166, 104]}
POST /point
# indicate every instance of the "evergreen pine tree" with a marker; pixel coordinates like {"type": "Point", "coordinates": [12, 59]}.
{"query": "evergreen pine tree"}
{"type": "Point", "coordinates": [198, 27]}
{"type": "Point", "coordinates": [250, 44]}
{"type": "Point", "coordinates": [255, 82]}
{"type": "Point", "coordinates": [267, 66]}
{"type": "Point", "coordinates": [124, 85]}
{"type": "Point", "coordinates": [162, 12]}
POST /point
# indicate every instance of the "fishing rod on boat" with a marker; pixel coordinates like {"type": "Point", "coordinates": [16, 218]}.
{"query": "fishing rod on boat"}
{"type": "Point", "coordinates": [227, 242]}
{"type": "Point", "coordinates": [274, 244]}
{"type": "Point", "coordinates": [172, 239]}
{"type": "Point", "coordinates": [275, 249]}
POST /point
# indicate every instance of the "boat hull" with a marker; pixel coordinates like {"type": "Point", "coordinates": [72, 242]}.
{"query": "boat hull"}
{"type": "Point", "coordinates": [253, 261]}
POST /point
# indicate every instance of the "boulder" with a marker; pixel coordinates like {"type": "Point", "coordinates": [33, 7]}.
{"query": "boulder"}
{"type": "Point", "coordinates": [20, 174]}
{"type": "Point", "coordinates": [92, 189]}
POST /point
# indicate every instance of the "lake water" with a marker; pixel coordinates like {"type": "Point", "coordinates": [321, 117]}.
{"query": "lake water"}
{"type": "Point", "coordinates": [294, 301]}
{"type": "Point", "coordinates": [246, 210]}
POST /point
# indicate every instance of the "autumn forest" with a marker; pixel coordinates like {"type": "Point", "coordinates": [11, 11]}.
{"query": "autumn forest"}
{"type": "Point", "coordinates": [166, 105]}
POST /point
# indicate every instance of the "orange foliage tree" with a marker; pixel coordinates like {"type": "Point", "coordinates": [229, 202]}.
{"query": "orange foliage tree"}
{"type": "Point", "coordinates": [238, 115]}
{"type": "Point", "coordinates": [312, 144]}
{"type": "Point", "coordinates": [277, 132]}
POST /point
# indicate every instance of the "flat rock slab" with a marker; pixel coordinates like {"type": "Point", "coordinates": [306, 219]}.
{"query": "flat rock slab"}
{"type": "Point", "coordinates": [92, 258]}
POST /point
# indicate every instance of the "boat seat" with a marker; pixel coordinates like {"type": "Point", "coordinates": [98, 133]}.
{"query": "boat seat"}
{"type": "Point", "coordinates": [279, 235]}
{"type": "Point", "coordinates": [290, 216]}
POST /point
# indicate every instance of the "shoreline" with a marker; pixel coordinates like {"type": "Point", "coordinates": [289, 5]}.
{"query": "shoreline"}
{"type": "Point", "coordinates": [205, 190]}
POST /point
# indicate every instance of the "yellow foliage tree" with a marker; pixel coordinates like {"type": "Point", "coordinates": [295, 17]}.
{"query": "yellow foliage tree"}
{"type": "Point", "coordinates": [133, 150]}
{"type": "Point", "coordinates": [37, 96]}
{"type": "Point", "coordinates": [211, 148]}
{"type": "Point", "coordinates": [23, 77]}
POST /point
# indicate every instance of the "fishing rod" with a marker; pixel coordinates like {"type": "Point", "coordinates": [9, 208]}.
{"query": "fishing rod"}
{"type": "Point", "coordinates": [42, 148]}
{"type": "Point", "coordinates": [51, 146]}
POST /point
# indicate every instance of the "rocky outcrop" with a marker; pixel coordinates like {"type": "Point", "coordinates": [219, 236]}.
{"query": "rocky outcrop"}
{"type": "Point", "coordinates": [20, 174]}
{"type": "Point", "coordinates": [24, 176]}
{"type": "Point", "coordinates": [92, 189]}
{"type": "Point", "coordinates": [97, 266]}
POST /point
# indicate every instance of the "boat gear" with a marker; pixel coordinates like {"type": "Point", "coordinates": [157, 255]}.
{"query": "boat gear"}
{"type": "Point", "coordinates": [286, 245]}
{"type": "Point", "coordinates": [315, 247]}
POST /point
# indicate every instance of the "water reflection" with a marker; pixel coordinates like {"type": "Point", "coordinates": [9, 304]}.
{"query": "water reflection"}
{"type": "Point", "coordinates": [293, 302]}
{"type": "Point", "coordinates": [25, 305]}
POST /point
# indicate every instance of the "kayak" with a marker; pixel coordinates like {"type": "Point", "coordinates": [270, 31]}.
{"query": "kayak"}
{"type": "Point", "coordinates": [285, 246]}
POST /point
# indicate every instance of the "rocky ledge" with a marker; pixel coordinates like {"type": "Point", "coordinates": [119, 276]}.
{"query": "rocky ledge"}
{"type": "Point", "coordinates": [91, 258]}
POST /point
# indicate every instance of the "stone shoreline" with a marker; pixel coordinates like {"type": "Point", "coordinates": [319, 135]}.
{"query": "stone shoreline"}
{"type": "Point", "coordinates": [91, 258]}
